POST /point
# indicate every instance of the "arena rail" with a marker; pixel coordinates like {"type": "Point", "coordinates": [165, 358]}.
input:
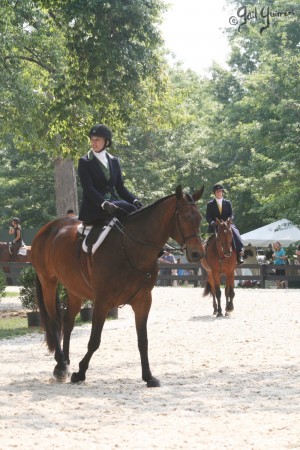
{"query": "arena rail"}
{"type": "Point", "coordinates": [12, 271]}
{"type": "Point", "coordinates": [260, 274]}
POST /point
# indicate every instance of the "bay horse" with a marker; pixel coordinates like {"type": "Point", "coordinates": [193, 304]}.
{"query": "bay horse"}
{"type": "Point", "coordinates": [6, 256]}
{"type": "Point", "coordinates": [122, 271]}
{"type": "Point", "coordinates": [221, 257]}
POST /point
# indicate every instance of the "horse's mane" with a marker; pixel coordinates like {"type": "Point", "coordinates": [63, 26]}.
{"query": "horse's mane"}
{"type": "Point", "coordinates": [153, 205]}
{"type": "Point", "coordinates": [147, 209]}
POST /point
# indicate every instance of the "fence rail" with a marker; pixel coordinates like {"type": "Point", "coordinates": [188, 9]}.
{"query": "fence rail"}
{"type": "Point", "coordinates": [12, 271]}
{"type": "Point", "coordinates": [196, 275]}
{"type": "Point", "coordinates": [260, 273]}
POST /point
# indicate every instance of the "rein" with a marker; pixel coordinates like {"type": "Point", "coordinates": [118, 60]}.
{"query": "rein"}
{"type": "Point", "coordinates": [184, 238]}
{"type": "Point", "coordinates": [127, 233]}
{"type": "Point", "coordinates": [220, 246]}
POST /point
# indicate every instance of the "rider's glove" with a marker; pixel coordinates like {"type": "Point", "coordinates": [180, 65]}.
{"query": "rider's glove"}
{"type": "Point", "coordinates": [113, 210]}
{"type": "Point", "coordinates": [138, 204]}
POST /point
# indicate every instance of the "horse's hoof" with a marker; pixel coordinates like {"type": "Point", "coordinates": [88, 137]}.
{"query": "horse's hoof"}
{"type": "Point", "coordinates": [154, 382]}
{"type": "Point", "coordinates": [220, 315]}
{"type": "Point", "coordinates": [60, 374]}
{"type": "Point", "coordinates": [77, 378]}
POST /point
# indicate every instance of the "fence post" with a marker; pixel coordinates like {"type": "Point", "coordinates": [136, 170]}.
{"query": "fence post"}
{"type": "Point", "coordinates": [262, 273]}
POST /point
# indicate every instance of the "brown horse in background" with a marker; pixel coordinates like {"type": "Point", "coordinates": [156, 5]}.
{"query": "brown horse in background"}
{"type": "Point", "coordinates": [222, 260]}
{"type": "Point", "coordinates": [122, 271]}
{"type": "Point", "coordinates": [6, 256]}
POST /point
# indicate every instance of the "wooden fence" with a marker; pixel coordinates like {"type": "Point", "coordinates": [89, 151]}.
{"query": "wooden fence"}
{"type": "Point", "coordinates": [12, 271]}
{"type": "Point", "coordinates": [261, 274]}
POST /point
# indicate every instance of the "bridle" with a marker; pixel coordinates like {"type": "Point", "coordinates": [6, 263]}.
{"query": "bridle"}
{"type": "Point", "coordinates": [221, 244]}
{"type": "Point", "coordinates": [133, 237]}
{"type": "Point", "coordinates": [179, 227]}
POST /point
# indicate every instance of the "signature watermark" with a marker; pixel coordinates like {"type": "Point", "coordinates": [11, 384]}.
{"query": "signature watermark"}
{"type": "Point", "coordinates": [265, 14]}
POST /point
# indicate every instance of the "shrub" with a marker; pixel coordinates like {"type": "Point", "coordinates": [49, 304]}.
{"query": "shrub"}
{"type": "Point", "coordinates": [27, 290]}
{"type": "Point", "coordinates": [2, 283]}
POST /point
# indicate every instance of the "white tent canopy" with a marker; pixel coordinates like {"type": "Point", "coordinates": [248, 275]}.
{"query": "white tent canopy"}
{"type": "Point", "coordinates": [283, 231]}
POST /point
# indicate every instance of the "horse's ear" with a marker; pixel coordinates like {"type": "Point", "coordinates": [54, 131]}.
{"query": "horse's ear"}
{"type": "Point", "coordinates": [197, 195]}
{"type": "Point", "coordinates": [179, 192]}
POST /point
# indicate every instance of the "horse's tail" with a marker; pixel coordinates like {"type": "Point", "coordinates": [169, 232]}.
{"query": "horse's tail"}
{"type": "Point", "coordinates": [207, 290]}
{"type": "Point", "coordinates": [52, 328]}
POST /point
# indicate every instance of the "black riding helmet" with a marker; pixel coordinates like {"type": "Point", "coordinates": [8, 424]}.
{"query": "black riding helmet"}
{"type": "Point", "coordinates": [101, 130]}
{"type": "Point", "coordinates": [218, 186]}
{"type": "Point", "coordinates": [16, 220]}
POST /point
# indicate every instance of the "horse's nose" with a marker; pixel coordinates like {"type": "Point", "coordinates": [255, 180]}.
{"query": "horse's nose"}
{"type": "Point", "coordinates": [196, 256]}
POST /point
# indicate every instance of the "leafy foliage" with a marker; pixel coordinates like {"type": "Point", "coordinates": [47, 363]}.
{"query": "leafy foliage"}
{"type": "Point", "coordinates": [2, 283]}
{"type": "Point", "coordinates": [26, 188]}
{"type": "Point", "coordinates": [65, 65]}
{"type": "Point", "coordinates": [27, 290]}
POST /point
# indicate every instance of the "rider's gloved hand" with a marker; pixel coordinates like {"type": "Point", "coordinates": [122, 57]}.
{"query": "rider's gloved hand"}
{"type": "Point", "coordinates": [214, 225]}
{"type": "Point", "coordinates": [138, 204]}
{"type": "Point", "coordinates": [114, 210]}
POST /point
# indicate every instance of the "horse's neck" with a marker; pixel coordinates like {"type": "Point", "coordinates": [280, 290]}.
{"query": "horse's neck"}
{"type": "Point", "coordinates": [148, 233]}
{"type": "Point", "coordinates": [154, 225]}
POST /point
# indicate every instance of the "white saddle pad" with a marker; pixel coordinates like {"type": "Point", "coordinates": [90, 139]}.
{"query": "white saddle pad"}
{"type": "Point", "coordinates": [22, 251]}
{"type": "Point", "coordinates": [101, 237]}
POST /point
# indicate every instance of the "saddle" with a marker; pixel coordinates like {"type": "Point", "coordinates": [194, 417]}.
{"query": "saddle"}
{"type": "Point", "coordinates": [92, 236]}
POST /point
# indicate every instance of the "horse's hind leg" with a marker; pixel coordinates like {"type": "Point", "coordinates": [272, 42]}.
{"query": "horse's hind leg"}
{"type": "Point", "coordinates": [51, 318]}
{"type": "Point", "coordinates": [141, 307]}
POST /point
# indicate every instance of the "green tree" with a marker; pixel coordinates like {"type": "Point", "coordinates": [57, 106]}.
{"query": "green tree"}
{"type": "Point", "coordinates": [65, 65]}
{"type": "Point", "coordinates": [26, 188]}
{"type": "Point", "coordinates": [255, 140]}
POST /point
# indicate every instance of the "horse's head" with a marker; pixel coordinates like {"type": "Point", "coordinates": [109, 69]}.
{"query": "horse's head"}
{"type": "Point", "coordinates": [187, 222]}
{"type": "Point", "coordinates": [224, 236]}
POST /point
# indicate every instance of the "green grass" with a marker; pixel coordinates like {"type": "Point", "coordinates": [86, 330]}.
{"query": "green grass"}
{"type": "Point", "coordinates": [10, 294]}
{"type": "Point", "coordinates": [12, 327]}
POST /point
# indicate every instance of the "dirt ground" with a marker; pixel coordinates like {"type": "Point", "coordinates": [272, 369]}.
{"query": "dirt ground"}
{"type": "Point", "coordinates": [226, 383]}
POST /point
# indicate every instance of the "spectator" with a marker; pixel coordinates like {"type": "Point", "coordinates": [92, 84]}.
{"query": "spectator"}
{"type": "Point", "coordinates": [180, 273]}
{"type": "Point", "coordinates": [279, 258]}
{"type": "Point", "coordinates": [297, 255]}
{"type": "Point", "coordinates": [168, 258]}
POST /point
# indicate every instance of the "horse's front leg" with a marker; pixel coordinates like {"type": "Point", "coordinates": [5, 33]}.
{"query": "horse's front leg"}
{"type": "Point", "coordinates": [229, 292]}
{"type": "Point", "coordinates": [215, 305]}
{"type": "Point", "coordinates": [218, 295]}
{"type": "Point", "coordinates": [69, 314]}
{"type": "Point", "coordinates": [141, 306]}
{"type": "Point", "coordinates": [99, 317]}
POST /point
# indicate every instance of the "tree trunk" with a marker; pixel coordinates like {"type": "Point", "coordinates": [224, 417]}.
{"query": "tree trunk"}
{"type": "Point", "coordinates": [65, 186]}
